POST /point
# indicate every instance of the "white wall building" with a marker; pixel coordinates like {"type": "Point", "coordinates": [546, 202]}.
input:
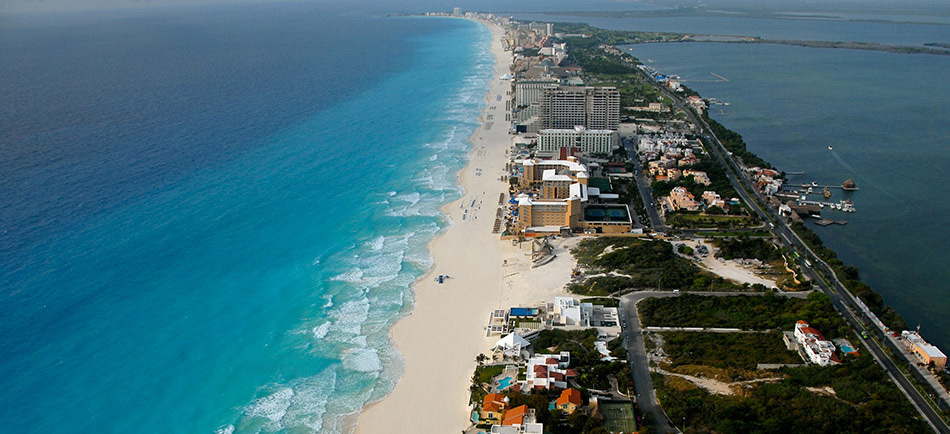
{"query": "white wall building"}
{"type": "Point", "coordinates": [587, 141]}
{"type": "Point", "coordinates": [544, 371]}
{"type": "Point", "coordinates": [816, 348]}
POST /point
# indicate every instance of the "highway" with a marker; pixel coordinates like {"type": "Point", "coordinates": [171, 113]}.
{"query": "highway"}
{"type": "Point", "coordinates": [839, 295]}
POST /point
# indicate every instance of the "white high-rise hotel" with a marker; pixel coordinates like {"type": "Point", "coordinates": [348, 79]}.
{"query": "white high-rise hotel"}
{"type": "Point", "coordinates": [565, 107]}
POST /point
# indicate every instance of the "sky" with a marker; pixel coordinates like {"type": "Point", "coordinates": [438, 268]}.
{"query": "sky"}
{"type": "Point", "coordinates": [488, 5]}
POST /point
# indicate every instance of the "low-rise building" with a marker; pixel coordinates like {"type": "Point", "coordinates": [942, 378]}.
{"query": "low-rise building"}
{"type": "Point", "coordinates": [711, 199]}
{"type": "Point", "coordinates": [924, 351]}
{"type": "Point", "coordinates": [814, 346]}
{"type": "Point", "coordinates": [544, 371]}
{"type": "Point", "coordinates": [699, 176]}
{"type": "Point", "coordinates": [681, 199]}
{"type": "Point", "coordinates": [569, 401]}
{"type": "Point", "coordinates": [493, 408]}
{"type": "Point", "coordinates": [569, 311]}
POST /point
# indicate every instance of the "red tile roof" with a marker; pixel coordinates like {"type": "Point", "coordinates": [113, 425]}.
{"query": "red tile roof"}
{"type": "Point", "coordinates": [551, 361]}
{"type": "Point", "coordinates": [515, 415]}
{"type": "Point", "coordinates": [540, 368]}
{"type": "Point", "coordinates": [570, 373]}
{"type": "Point", "coordinates": [572, 396]}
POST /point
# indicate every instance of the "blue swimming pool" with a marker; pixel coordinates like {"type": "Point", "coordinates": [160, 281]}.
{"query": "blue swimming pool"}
{"type": "Point", "coordinates": [504, 383]}
{"type": "Point", "coordinates": [846, 349]}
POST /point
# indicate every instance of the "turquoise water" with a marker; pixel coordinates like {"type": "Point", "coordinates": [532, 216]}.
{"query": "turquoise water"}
{"type": "Point", "coordinates": [213, 218]}
{"type": "Point", "coordinates": [504, 383]}
{"type": "Point", "coordinates": [846, 349]}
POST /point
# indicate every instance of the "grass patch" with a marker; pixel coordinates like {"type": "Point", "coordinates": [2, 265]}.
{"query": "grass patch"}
{"type": "Point", "coordinates": [486, 373]}
{"type": "Point", "coordinates": [727, 350]}
{"type": "Point", "coordinates": [749, 312]}
{"type": "Point", "coordinates": [649, 264]}
{"type": "Point", "coordinates": [866, 402]}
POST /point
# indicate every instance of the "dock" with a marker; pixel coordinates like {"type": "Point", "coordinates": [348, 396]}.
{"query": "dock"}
{"type": "Point", "coordinates": [826, 222]}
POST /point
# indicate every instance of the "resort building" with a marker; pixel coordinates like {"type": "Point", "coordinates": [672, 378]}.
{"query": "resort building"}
{"type": "Point", "coordinates": [924, 351]}
{"type": "Point", "coordinates": [585, 140]}
{"type": "Point", "coordinates": [814, 347]}
{"type": "Point", "coordinates": [568, 311]}
{"type": "Point", "coordinates": [699, 176]}
{"type": "Point", "coordinates": [493, 408]}
{"type": "Point", "coordinates": [569, 401]}
{"type": "Point", "coordinates": [711, 198]}
{"type": "Point", "coordinates": [556, 198]}
{"type": "Point", "coordinates": [544, 371]}
{"type": "Point", "coordinates": [565, 107]}
{"type": "Point", "coordinates": [681, 199]}
{"type": "Point", "coordinates": [533, 172]}
{"type": "Point", "coordinates": [528, 92]}
{"type": "Point", "coordinates": [512, 346]}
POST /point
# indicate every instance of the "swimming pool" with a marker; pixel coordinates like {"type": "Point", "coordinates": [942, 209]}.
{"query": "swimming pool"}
{"type": "Point", "coordinates": [504, 383]}
{"type": "Point", "coordinates": [846, 349]}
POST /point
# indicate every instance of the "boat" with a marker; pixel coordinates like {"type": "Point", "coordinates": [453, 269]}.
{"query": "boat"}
{"type": "Point", "coordinates": [830, 148]}
{"type": "Point", "coordinates": [849, 185]}
{"type": "Point", "coordinates": [826, 193]}
{"type": "Point", "coordinates": [814, 183]}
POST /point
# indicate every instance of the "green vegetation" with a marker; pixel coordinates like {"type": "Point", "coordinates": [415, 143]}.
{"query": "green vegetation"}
{"type": "Point", "coordinates": [749, 312]}
{"type": "Point", "coordinates": [649, 264]}
{"type": "Point", "coordinates": [864, 401]}
{"type": "Point", "coordinates": [555, 421]}
{"type": "Point", "coordinates": [717, 177]}
{"type": "Point", "coordinates": [592, 372]}
{"type": "Point", "coordinates": [727, 350]}
{"type": "Point", "coordinates": [733, 143]}
{"type": "Point", "coordinates": [688, 219]}
{"type": "Point", "coordinates": [603, 301]}
{"type": "Point", "coordinates": [747, 248]}
{"type": "Point", "coordinates": [850, 277]}
{"type": "Point", "coordinates": [486, 373]}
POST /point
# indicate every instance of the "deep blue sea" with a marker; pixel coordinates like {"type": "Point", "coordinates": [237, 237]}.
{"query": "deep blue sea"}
{"type": "Point", "coordinates": [211, 217]}
{"type": "Point", "coordinates": [884, 115]}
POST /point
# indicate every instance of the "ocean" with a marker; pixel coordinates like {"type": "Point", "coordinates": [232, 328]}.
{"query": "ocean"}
{"type": "Point", "coordinates": [212, 216]}
{"type": "Point", "coordinates": [882, 113]}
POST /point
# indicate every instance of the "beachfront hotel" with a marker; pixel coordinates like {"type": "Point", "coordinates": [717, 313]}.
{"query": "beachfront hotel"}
{"type": "Point", "coordinates": [580, 138]}
{"type": "Point", "coordinates": [565, 107]}
{"type": "Point", "coordinates": [557, 191]}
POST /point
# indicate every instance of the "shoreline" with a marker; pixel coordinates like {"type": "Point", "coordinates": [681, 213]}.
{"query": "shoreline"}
{"type": "Point", "coordinates": [439, 339]}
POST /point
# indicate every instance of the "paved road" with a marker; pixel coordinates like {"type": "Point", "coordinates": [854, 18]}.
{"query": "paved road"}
{"type": "Point", "coordinates": [840, 297]}
{"type": "Point", "coordinates": [637, 356]}
{"type": "Point", "coordinates": [636, 349]}
{"type": "Point", "coordinates": [646, 194]}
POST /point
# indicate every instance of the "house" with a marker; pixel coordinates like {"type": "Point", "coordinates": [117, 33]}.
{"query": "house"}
{"type": "Point", "coordinates": [493, 408]}
{"type": "Point", "coordinates": [511, 346]}
{"type": "Point", "coordinates": [515, 416]}
{"type": "Point", "coordinates": [569, 401]}
{"type": "Point", "coordinates": [544, 371]}
{"type": "Point", "coordinates": [815, 348]}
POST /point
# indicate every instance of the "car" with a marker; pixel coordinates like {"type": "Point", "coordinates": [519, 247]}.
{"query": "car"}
{"type": "Point", "coordinates": [676, 291]}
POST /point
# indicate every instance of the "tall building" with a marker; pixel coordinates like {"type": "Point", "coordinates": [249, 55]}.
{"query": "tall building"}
{"type": "Point", "coordinates": [529, 91]}
{"type": "Point", "coordinates": [457, 12]}
{"type": "Point", "coordinates": [587, 141]}
{"type": "Point", "coordinates": [565, 107]}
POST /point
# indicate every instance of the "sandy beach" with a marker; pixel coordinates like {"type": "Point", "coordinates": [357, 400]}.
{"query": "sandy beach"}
{"type": "Point", "coordinates": [446, 330]}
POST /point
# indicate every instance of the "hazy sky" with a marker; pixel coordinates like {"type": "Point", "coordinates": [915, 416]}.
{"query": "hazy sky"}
{"type": "Point", "coordinates": [486, 5]}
